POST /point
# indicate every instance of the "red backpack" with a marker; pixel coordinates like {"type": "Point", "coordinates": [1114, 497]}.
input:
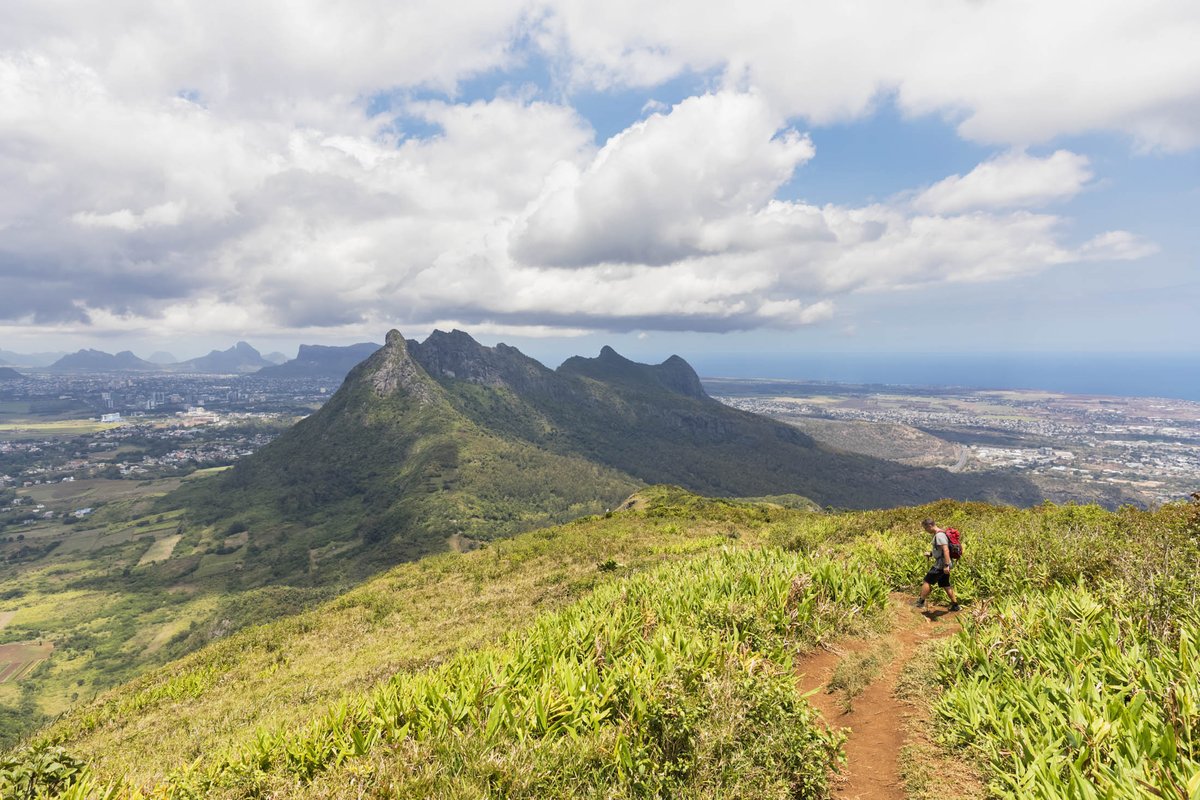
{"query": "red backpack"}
{"type": "Point", "coordinates": [955, 543]}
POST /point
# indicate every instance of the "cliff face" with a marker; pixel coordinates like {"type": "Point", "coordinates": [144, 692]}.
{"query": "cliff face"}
{"type": "Point", "coordinates": [392, 369]}
{"type": "Point", "coordinates": [456, 356]}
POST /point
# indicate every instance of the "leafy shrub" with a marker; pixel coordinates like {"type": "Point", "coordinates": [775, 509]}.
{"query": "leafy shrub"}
{"type": "Point", "coordinates": [39, 771]}
{"type": "Point", "coordinates": [1065, 695]}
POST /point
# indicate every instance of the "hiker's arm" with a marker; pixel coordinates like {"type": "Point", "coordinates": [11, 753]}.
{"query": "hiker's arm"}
{"type": "Point", "coordinates": [946, 556]}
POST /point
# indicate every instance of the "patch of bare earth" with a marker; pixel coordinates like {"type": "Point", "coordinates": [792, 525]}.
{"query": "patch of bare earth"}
{"type": "Point", "coordinates": [878, 724]}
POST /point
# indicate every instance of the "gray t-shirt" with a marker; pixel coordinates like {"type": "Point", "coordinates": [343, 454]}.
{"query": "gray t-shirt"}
{"type": "Point", "coordinates": [939, 539]}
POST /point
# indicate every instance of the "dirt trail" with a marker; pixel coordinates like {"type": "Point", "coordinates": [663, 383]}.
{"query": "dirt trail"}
{"type": "Point", "coordinates": [876, 722]}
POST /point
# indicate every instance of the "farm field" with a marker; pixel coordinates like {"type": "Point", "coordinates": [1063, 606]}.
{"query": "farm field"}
{"type": "Point", "coordinates": [129, 586]}
{"type": "Point", "coordinates": [40, 428]}
{"type": "Point", "coordinates": [95, 490]}
{"type": "Point", "coordinates": [161, 550]}
{"type": "Point", "coordinates": [20, 658]}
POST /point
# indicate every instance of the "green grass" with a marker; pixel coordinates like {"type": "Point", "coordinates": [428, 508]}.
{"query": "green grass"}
{"type": "Point", "coordinates": [857, 671]}
{"type": "Point", "coordinates": [1066, 628]}
{"type": "Point", "coordinates": [416, 614]}
{"type": "Point", "coordinates": [617, 692]}
{"type": "Point", "coordinates": [1066, 694]}
{"type": "Point", "coordinates": [40, 428]}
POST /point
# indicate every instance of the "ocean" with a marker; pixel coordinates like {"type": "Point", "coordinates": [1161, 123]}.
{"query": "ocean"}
{"type": "Point", "coordinates": [1122, 375]}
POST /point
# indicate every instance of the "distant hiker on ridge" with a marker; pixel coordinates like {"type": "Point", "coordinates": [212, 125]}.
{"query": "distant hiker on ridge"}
{"type": "Point", "coordinates": [939, 573]}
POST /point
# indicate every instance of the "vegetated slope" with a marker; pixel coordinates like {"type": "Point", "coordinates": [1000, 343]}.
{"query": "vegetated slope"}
{"type": "Point", "coordinates": [661, 660]}
{"type": "Point", "coordinates": [387, 470]}
{"type": "Point", "coordinates": [427, 440]}
{"type": "Point", "coordinates": [890, 440]}
{"type": "Point", "coordinates": [9, 374]}
{"type": "Point", "coordinates": [655, 422]}
{"type": "Point", "coordinates": [668, 680]}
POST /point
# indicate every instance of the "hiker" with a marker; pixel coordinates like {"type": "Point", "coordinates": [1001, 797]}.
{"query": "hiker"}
{"type": "Point", "coordinates": [939, 573]}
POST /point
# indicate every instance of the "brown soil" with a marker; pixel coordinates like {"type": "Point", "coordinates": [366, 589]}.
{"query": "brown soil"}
{"type": "Point", "coordinates": [875, 726]}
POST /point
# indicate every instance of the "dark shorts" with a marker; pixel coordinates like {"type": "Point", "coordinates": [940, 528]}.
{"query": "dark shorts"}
{"type": "Point", "coordinates": [936, 577]}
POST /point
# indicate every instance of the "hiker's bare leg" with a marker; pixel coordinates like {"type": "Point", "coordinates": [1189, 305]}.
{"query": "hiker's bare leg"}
{"type": "Point", "coordinates": [925, 590]}
{"type": "Point", "coordinates": [953, 596]}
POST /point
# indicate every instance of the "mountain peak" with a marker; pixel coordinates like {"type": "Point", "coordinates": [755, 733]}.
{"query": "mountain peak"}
{"type": "Point", "coordinates": [457, 356]}
{"type": "Point", "coordinates": [241, 357]}
{"type": "Point", "coordinates": [392, 369]}
{"type": "Point", "coordinates": [455, 335]}
{"type": "Point", "coordinates": [679, 376]}
{"type": "Point", "coordinates": [675, 375]}
{"type": "Point", "coordinates": [91, 359]}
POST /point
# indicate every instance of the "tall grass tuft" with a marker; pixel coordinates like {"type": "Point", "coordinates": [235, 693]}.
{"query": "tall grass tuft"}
{"type": "Point", "coordinates": [1066, 694]}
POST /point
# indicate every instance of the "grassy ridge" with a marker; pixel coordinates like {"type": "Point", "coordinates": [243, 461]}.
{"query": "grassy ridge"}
{"type": "Point", "coordinates": [677, 681]}
{"type": "Point", "coordinates": [314, 704]}
{"type": "Point", "coordinates": [285, 674]}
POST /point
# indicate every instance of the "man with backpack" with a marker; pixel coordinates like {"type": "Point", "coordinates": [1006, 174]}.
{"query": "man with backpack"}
{"type": "Point", "coordinates": [943, 555]}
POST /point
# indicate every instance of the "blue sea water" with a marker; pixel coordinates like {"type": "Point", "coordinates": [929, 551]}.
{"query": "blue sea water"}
{"type": "Point", "coordinates": [1121, 375]}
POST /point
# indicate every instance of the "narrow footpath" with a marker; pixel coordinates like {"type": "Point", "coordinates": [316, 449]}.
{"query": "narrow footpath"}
{"type": "Point", "coordinates": [875, 724]}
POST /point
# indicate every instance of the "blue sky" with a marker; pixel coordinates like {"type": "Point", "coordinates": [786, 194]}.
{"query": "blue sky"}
{"type": "Point", "coordinates": [787, 178]}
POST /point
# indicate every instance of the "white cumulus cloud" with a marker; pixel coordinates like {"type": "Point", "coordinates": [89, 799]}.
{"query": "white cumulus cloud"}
{"type": "Point", "coordinates": [310, 166]}
{"type": "Point", "coordinates": [1017, 72]}
{"type": "Point", "coordinates": [662, 189]}
{"type": "Point", "coordinates": [1011, 180]}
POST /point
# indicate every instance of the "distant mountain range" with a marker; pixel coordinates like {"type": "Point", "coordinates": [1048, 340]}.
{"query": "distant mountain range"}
{"type": "Point", "coordinates": [428, 440]}
{"type": "Point", "coordinates": [162, 357]}
{"type": "Point", "coordinates": [29, 359]}
{"type": "Point", "coordinates": [239, 358]}
{"type": "Point", "coordinates": [318, 361]}
{"type": "Point", "coordinates": [99, 361]}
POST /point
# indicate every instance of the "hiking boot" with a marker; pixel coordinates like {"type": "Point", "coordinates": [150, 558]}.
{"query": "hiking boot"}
{"type": "Point", "coordinates": [955, 607]}
{"type": "Point", "coordinates": [920, 604]}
